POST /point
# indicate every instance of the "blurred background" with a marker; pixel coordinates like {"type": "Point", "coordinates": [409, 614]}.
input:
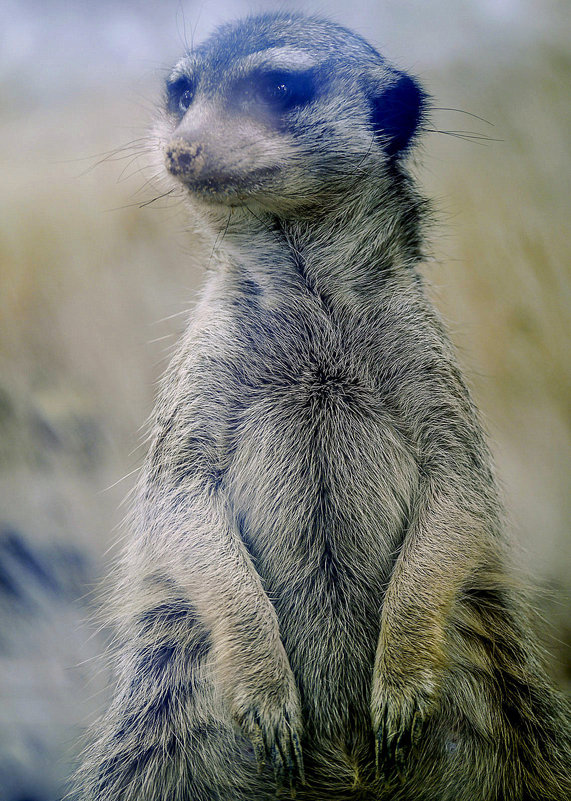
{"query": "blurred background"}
{"type": "Point", "coordinates": [97, 278]}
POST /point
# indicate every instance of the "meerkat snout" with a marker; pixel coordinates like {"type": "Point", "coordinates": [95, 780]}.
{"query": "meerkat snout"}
{"type": "Point", "coordinates": [184, 158]}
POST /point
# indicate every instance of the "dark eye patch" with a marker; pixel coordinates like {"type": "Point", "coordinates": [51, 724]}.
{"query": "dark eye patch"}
{"type": "Point", "coordinates": [283, 90]}
{"type": "Point", "coordinates": [180, 94]}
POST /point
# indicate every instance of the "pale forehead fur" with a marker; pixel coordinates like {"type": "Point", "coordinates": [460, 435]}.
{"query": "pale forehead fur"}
{"type": "Point", "coordinates": [279, 58]}
{"type": "Point", "coordinates": [277, 41]}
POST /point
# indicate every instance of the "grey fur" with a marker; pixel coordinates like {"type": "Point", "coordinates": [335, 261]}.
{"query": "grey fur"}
{"type": "Point", "coordinates": [317, 562]}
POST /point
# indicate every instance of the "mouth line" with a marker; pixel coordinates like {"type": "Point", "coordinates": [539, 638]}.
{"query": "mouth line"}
{"type": "Point", "coordinates": [221, 188]}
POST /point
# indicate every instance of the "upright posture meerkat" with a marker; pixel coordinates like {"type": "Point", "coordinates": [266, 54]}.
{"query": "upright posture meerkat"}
{"type": "Point", "coordinates": [314, 596]}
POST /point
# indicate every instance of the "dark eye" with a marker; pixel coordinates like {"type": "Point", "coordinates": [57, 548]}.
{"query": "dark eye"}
{"type": "Point", "coordinates": [276, 92]}
{"type": "Point", "coordinates": [283, 90]}
{"type": "Point", "coordinates": [185, 100]}
{"type": "Point", "coordinates": [180, 94]}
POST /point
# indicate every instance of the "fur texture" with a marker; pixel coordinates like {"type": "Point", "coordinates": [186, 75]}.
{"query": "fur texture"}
{"type": "Point", "coordinates": [315, 595]}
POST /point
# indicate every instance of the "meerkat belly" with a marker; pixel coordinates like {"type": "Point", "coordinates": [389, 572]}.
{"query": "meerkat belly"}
{"type": "Point", "coordinates": [321, 483]}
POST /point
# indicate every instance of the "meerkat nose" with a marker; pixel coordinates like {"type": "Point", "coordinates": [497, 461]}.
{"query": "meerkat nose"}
{"type": "Point", "coordinates": [184, 158]}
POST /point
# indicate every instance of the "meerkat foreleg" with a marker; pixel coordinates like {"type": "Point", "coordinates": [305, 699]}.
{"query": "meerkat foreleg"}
{"type": "Point", "coordinates": [250, 667]}
{"type": "Point", "coordinates": [441, 548]}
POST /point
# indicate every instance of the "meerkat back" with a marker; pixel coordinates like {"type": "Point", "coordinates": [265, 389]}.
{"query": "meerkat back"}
{"type": "Point", "coordinates": [314, 600]}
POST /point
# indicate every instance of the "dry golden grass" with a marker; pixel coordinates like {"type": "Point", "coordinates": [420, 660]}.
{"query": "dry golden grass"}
{"type": "Point", "coordinates": [503, 283]}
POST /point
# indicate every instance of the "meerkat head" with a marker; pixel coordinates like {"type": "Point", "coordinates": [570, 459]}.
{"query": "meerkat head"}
{"type": "Point", "coordinates": [285, 111]}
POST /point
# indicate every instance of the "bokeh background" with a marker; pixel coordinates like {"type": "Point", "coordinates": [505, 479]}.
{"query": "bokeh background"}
{"type": "Point", "coordinates": [97, 279]}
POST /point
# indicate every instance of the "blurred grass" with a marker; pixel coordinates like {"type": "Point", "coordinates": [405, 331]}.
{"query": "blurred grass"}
{"type": "Point", "coordinates": [88, 279]}
{"type": "Point", "coordinates": [502, 280]}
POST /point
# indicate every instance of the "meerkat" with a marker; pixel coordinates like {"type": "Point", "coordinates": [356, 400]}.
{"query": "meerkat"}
{"type": "Point", "coordinates": [315, 599]}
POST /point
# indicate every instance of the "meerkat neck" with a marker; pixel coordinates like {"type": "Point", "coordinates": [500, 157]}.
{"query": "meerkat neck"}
{"type": "Point", "coordinates": [351, 249]}
{"type": "Point", "coordinates": [343, 254]}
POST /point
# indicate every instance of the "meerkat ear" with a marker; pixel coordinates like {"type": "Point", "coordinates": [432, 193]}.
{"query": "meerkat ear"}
{"type": "Point", "coordinates": [396, 114]}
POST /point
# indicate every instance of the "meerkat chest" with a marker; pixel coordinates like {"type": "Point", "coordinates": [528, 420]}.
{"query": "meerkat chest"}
{"type": "Point", "coordinates": [321, 477]}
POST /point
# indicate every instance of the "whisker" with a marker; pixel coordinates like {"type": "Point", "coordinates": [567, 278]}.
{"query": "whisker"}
{"type": "Point", "coordinates": [469, 136]}
{"type": "Point", "coordinates": [142, 205]}
{"type": "Point", "coordinates": [461, 111]}
{"type": "Point", "coordinates": [220, 239]}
